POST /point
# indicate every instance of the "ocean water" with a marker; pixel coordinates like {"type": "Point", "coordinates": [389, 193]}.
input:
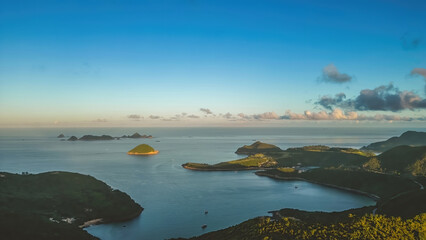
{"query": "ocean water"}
{"type": "Point", "coordinates": [175, 198]}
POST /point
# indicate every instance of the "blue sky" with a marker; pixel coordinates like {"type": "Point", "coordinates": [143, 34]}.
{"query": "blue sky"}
{"type": "Point", "coordinates": [99, 62]}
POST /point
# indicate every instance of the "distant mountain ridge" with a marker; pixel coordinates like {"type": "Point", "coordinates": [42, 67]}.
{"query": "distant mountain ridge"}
{"type": "Point", "coordinates": [411, 138]}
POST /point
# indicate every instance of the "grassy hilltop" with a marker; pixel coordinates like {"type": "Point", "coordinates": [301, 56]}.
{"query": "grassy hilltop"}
{"type": "Point", "coordinates": [142, 149]}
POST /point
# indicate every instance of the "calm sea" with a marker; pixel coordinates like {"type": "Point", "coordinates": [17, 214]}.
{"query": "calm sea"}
{"type": "Point", "coordinates": [175, 198]}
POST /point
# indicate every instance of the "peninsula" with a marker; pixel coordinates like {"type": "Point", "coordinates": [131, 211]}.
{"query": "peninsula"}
{"type": "Point", "coordinates": [265, 155]}
{"type": "Point", "coordinates": [57, 205]}
{"type": "Point", "coordinates": [143, 149]}
{"type": "Point", "coordinates": [395, 179]}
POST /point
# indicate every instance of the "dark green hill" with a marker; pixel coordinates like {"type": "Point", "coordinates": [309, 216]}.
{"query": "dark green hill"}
{"type": "Point", "coordinates": [53, 205]}
{"type": "Point", "coordinates": [401, 160]}
{"type": "Point", "coordinates": [257, 147]}
{"type": "Point", "coordinates": [410, 138]}
{"type": "Point", "coordinates": [350, 225]}
{"type": "Point", "coordinates": [321, 156]}
{"type": "Point", "coordinates": [406, 205]}
{"type": "Point", "coordinates": [382, 185]}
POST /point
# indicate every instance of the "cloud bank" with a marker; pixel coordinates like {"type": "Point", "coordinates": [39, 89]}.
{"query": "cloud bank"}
{"type": "Point", "coordinates": [338, 114]}
{"type": "Point", "coordinates": [382, 98]}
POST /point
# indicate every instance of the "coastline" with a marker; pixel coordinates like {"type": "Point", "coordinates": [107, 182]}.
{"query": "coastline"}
{"type": "Point", "coordinates": [148, 153]}
{"type": "Point", "coordinates": [91, 222]}
{"type": "Point", "coordinates": [99, 221]}
{"type": "Point", "coordinates": [370, 195]}
{"type": "Point", "coordinates": [224, 169]}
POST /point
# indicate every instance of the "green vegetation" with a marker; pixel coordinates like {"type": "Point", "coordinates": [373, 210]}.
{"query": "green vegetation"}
{"type": "Point", "coordinates": [356, 223]}
{"type": "Point", "coordinates": [405, 205]}
{"type": "Point", "coordinates": [393, 178]}
{"type": "Point", "coordinates": [321, 156]}
{"type": "Point", "coordinates": [410, 138]}
{"type": "Point", "coordinates": [258, 147]}
{"type": "Point", "coordinates": [373, 165]}
{"type": "Point", "coordinates": [349, 227]}
{"type": "Point", "coordinates": [399, 160]}
{"type": "Point", "coordinates": [256, 161]}
{"type": "Point", "coordinates": [286, 169]}
{"type": "Point", "coordinates": [320, 217]}
{"type": "Point", "coordinates": [143, 149]}
{"type": "Point", "coordinates": [404, 160]}
{"type": "Point", "coordinates": [322, 148]}
{"type": "Point", "coordinates": [52, 205]}
{"type": "Point", "coordinates": [383, 185]}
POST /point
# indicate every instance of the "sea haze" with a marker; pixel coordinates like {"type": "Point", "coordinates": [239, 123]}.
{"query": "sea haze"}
{"type": "Point", "coordinates": [175, 198]}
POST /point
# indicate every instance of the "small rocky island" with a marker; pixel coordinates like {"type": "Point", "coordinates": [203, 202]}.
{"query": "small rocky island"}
{"type": "Point", "coordinates": [57, 205]}
{"type": "Point", "coordinates": [96, 138]}
{"type": "Point", "coordinates": [104, 137]}
{"type": "Point", "coordinates": [136, 135]}
{"type": "Point", "coordinates": [143, 149]}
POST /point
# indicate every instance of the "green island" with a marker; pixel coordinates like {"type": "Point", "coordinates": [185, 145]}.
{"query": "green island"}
{"type": "Point", "coordinates": [395, 179]}
{"type": "Point", "coordinates": [91, 138]}
{"type": "Point", "coordinates": [143, 149]}
{"type": "Point", "coordinates": [136, 135]}
{"type": "Point", "coordinates": [58, 205]}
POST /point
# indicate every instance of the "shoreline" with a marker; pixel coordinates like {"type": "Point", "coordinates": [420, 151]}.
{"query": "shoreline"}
{"type": "Point", "coordinates": [370, 195]}
{"type": "Point", "coordinates": [92, 222]}
{"type": "Point", "coordinates": [224, 169]}
{"type": "Point", "coordinates": [98, 221]}
{"type": "Point", "coordinates": [148, 153]}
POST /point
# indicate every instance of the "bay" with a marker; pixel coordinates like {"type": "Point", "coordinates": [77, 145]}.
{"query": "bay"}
{"type": "Point", "coordinates": [174, 198]}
